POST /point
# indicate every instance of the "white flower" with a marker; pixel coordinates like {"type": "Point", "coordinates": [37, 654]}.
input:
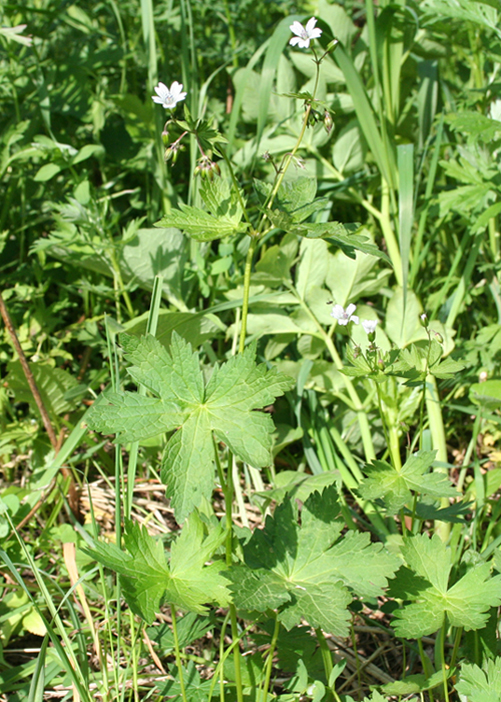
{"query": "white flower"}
{"type": "Point", "coordinates": [169, 97]}
{"type": "Point", "coordinates": [304, 34]}
{"type": "Point", "coordinates": [369, 325]}
{"type": "Point", "coordinates": [344, 316]}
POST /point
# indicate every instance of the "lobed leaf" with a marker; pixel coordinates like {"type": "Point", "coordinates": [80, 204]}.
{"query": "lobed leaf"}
{"type": "Point", "coordinates": [223, 408]}
{"type": "Point", "coordinates": [314, 566]}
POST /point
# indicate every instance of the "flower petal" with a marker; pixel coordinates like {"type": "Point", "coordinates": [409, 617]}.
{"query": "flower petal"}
{"type": "Point", "coordinates": [350, 309]}
{"type": "Point", "coordinates": [310, 25]}
{"type": "Point", "coordinates": [297, 28]}
{"type": "Point", "coordinates": [337, 312]}
{"type": "Point", "coordinates": [161, 89]}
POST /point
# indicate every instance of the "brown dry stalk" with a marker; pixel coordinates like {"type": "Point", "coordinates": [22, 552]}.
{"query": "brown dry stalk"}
{"type": "Point", "coordinates": [56, 445]}
{"type": "Point", "coordinates": [27, 372]}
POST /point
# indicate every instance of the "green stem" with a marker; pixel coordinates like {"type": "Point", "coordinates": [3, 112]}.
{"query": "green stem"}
{"type": "Point", "coordinates": [325, 653]}
{"type": "Point", "coordinates": [425, 662]}
{"type": "Point", "coordinates": [363, 421]}
{"type": "Point", "coordinates": [291, 154]}
{"type": "Point", "coordinates": [228, 502]}
{"type": "Point", "coordinates": [269, 659]}
{"type": "Point", "coordinates": [455, 649]}
{"type": "Point", "coordinates": [177, 653]}
{"type": "Point", "coordinates": [245, 303]}
{"type": "Point", "coordinates": [437, 430]}
{"type": "Point", "coordinates": [442, 660]}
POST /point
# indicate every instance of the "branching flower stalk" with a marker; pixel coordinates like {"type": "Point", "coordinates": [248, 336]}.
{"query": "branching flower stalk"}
{"type": "Point", "coordinates": [303, 37]}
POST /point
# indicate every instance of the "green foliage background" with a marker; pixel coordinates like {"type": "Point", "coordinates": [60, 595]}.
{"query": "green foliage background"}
{"type": "Point", "coordinates": [396, 210]}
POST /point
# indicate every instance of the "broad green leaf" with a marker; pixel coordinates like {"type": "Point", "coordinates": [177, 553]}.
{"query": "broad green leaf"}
{"type": "Point", "coordinates": [415, 683]}
{"type": "Point", "coordinates": [395, 487]}
{"type": "Point", "coordinates": [349, 279]}
{"type": "Point", "coordinates": [195, 689]}
{"type": "Point", "coordinates": [466, 604]}
{"type": "Point", "coordinates": [294, 202]}
{"type": "Point", "coordinates": [47, 172]}
{"type": "Point", "coordinates": [189, 628]}
{"type": "Point", "coordinates": [222, 408]}
{"type": "Point", "coordinates": [402, 321]}
{"type": "Point", "coordinates": [143, 568]}
{"type": "Point", "coordinates": [486, 394]}
{"type": "Point", "coordinates": [193, 327]}
{"type": "Point", "coordinates": [350, 149]}
{"type": "Point", "coordinates": [305, 569]}
{"type": "Point", "coordinates": [147, 579]}
{"type": "Point", "coordinates": [136, 417]}
{"type": "Point", "coordinates": [199, 224]}
{"type": "Point", "coordinates": [53, 385]}
{"type": "Point", "coordinates": [154, 252]}
{"type": "Point", "coordinates": [192, 583]}
{"type": "Point", "coordinates": [221, 199]}
{"type": "Point", "coordinates": [481, 684]}
{"type": "Point", "coordinates": [223, 218]}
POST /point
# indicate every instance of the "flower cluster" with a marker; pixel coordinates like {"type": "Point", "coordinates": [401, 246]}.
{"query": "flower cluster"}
{"type": "Point", "coordinates": [345, 316]}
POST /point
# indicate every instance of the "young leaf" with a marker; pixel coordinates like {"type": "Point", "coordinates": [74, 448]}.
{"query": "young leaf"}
{"type": "Point", "coordinates": [305, 570]}
{"type": "Point", "coordinates": [146, 578]}
{"type": "Point", "coordinates": [465, 604]}
{"type": "Point", "coordinates": [395, 487]}
{"type": "Point", "coordinates": [223, 408]}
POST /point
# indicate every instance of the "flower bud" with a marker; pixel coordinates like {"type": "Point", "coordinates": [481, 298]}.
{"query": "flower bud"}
{"type": "Point", "coordinates": [328, 122]}
{"type": "Point", "coordinates": [331, 46]}
{"type": "Point", "coordinates": [380, 364]}
{"type": "Point", "coordinates": [438, 337]}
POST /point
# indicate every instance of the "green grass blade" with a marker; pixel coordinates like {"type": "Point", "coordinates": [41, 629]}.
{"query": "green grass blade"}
{"type": "Point", "coordinates": [239, 96]}
{"type": "Point", "coordinates": [148, 24]}
{"type": "Point", "coordinates": [151, 328]}
{"type": "Point", "coordinates": [419, 253]}
{"type": "Point", "coordinates": [405, 156]}
{"type": "Point", "coordinates": [37, 684]}
{"type": "Point", "coordinates": [278, 41]}
{"type": "Point", "coordinates": [385, 158]}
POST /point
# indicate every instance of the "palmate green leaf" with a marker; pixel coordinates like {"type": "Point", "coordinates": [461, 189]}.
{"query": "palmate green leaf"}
{"type": "Point", "coordinates": [223, 408]}
{"type": "Point", "coordinates": [466, 604]}
{"type": "Point", "coordinates": [395, 487]}
{"type": "Point", "coordinates": [481, 684]}
{"type": "Point", "coordinates": [147, 579]}
{"type": "Point", "coordinates": [306, 570]}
